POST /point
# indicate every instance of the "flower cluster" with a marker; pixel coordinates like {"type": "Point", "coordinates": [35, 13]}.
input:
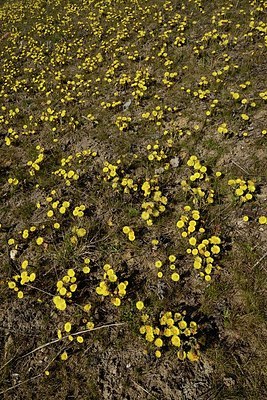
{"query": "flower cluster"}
{"type": "Point", "coordinates": [243, 189]}
{"type": "Point", "coordinates": [109, 286]}
{"type": "Point", "coordinates": [122, 122]}
{"type": "Point", "coordinates": [194, 186]}
{"type": "Point", "coordinates": [175, 277]}
{"type": "Point", "coordinates": [65, 287]}
{"type": "Point", "coordinates": [156, 114]}
{"type": "Point", "coordinates": [203, 250]}
{"type": "Point", "coordinates": [189, 222]}
{"type": "Point", "coordinates": [222, 128]}
{"type": "Point", "coordinates": [35, 165]}
{"type": "Point", "coordinates": [155, 152]}
{"type": "Point", "coordinates": [13, 181]}
{"type": "Point", "coordinates": [78, 232]}
{"type": "Point", "coordinates": [69, 172]}
{"type": "Point", "coordinates": [21, 279]}
{"type": "Point", "coordinates": [154, 207]}
{"type": "Point", "coordinates": [129, 232]}
{"type": "Point", "coordinates": [119, 180]}
{"type": "Point", "coordinates": [140, 82]}
{"type": "Point", "coordinates": [205, 253]}
{"type": "Point", "coordinates": [169, 78]}
{"type": "Point", "coordinates": [110, 170]}
{"type": "Point", "coordinates": [172, 330]}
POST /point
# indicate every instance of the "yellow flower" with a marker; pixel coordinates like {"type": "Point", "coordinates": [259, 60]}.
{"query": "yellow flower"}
{"type": "Point", "coordinates": [235, 95]}
{"type": "Point", "coordinates": [145, 215]}
{"type": "Point", "coordinates": [11, 285]}
{"type": "Point", "coordinates": [170, 322]}
{"type": "Point", "coordinates": [158, 342]}
{"type": "Point", "coordinates": [81, 232]}
{"type": "Point", "coordinates": [87, 307]}
{"type": "Point", "coordinates": [176, 341]}
{"type": "Point", "coordinates": [149, 337]}
{"type": "Point", "coordinates": [24, 264]}
{"type": "Point", "coordinates": [126, 230]}
{"type": "Point", "coordinates": [175, 330]}
{"type": "Point", "coordinates": [73, 287]}
{"type": "Point", "coordinates": [32, 277]}
{"type": "Point", "coordinates": [175, 277]}
{"type": "Point", "coordinates": [215, 240]}
{"type": "Point", "coordinates": [192, 241]}
{"type": "Point", "coordinates": [172, 258]}
{"type": "Point", "coordinates": [79, 339]}
{"type": "Point", "coordinates": [116, 302]}
{"type": "Point", "coordinates": [192, 356]}
{"type": "Point", "coordinates": [157, 353]}
{"type": "Point", "coordinates": [139, 305]}
{"type": "Point", "coordinates": [62, 291]}
{"type": "Point", "coordinates": [215, 249]}
{"type": "Point", "coordinates": [180, 224]}
{"type": "Point", "coordinates": [64, 356]}
{"type": "Point", "coordinates": [25, 234]}
{"type": "Point", "coordinates": [142, 330]}
{"type": "Point", "coordinates": [131, 236]}
{"type": "Point", "coordinates": [90, 325]}
{"type": "Point", "coordinates": [182, 324]}
{"type": "Point", "coordinates": [67, 327]}
{"type": "Point", "coordinates": [245, 117]}
{"type": "Point", "coordinates": [197, 263]}
{"type": "Point", "coordinates": [59, 303]}
{"type": "Point", "coordinates": [20, 294]}
{"type": "Point", "coordinates": [262, 220]}
{"type": "Point", "coordinates": [158, 264]}
{"type": "Point", "coordinates": [167, 332]}
{"type": "Point", "coordinates": [39, 240]}
{"type": "Point", "coordinates": [239, 192]}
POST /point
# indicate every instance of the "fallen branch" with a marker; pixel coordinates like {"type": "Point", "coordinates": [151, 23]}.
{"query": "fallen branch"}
{"type": "Point", "coordinates": [73, 334]}
{"type": "Point", "coordinates": [260, 260]}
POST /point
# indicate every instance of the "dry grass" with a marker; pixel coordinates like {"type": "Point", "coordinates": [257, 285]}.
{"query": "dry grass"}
{"type": "Point", "coordinates": [103, 105]}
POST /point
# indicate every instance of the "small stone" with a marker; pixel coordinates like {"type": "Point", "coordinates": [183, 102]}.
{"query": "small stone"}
{"type": "Point", "coordinates": [127, 105]}
{"type": "Point", "coordinates": [175, 162]}
{"type": "Point", "coordinates": [13, 253]}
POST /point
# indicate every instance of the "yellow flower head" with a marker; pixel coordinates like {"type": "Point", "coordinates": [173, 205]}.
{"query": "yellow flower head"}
{"type": "Point", "coordinates": [59, 303]}
{"type": "Point", "coordinates": [139, 305]}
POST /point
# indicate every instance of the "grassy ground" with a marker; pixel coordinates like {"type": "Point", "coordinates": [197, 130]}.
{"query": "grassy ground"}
{"type": "Point", "coordinates": [133, 199]}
